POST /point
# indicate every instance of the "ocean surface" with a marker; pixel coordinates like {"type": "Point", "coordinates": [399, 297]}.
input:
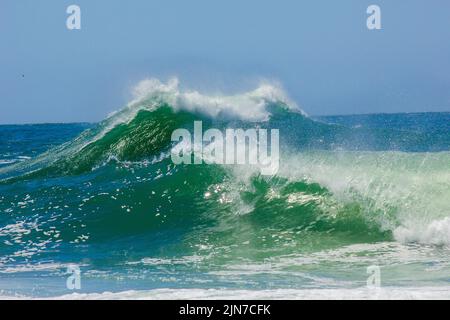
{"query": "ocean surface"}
{"type": "Point", "coordinates": [352, 192]}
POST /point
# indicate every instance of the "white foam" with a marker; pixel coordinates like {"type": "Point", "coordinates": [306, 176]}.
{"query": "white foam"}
{"type": "Point", "coordinates": [389, 293]}
{"type": "Point", "coordinates": [437, 232]}
{"type": "Point", "coordinates": [7, 161]}
{"type": "Point", "coordinates": [250, 106]}
{"type": "Point", "coordinates": [33, 267]}
{"type": "Point", "coordinates": [406, 193]}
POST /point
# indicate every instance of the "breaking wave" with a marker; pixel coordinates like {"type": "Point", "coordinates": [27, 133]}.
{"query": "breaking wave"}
{"type": "Point", "coordinates": [115, 186]}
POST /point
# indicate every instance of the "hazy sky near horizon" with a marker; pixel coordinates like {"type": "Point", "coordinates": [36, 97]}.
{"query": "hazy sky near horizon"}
{"type": "Point", "coordinates": [321, 51]}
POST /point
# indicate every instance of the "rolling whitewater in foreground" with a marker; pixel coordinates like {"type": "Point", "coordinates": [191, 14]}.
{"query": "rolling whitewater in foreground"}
{"type": "Point", "coordinates": [351, 192]}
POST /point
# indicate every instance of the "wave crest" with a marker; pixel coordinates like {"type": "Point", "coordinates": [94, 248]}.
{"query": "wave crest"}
{"type": "Point", "coordinates": [248, 106]}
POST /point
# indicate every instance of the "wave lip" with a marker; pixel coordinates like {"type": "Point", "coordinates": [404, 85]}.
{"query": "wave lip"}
{"type": "Point", "coordinates": [249, 106]}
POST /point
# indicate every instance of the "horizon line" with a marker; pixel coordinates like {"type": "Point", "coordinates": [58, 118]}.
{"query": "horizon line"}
{"type": "Point", "coordinates": [309, 116]}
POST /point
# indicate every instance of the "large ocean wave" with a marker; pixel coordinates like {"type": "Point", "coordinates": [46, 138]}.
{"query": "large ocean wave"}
{"type": "Point", "coordinates": [113, 196]}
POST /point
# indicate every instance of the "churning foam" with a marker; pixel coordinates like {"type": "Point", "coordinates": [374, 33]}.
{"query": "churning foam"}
{"type": "Point", "coordinates": [437, 232]}
{"type": "Point", "coordinates": [388, 293]}
{"type": "Point", "coordinates": [405, 193]}
{"type": "Point", "coordinates": [249, 106]}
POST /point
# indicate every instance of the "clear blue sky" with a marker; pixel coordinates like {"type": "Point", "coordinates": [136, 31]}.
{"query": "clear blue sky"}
{"type": "Point", "coordinates": [321, 51]}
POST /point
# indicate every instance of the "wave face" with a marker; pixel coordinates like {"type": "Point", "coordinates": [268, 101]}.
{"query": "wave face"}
{"type": "Point", "coordinates": [112, 201]}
